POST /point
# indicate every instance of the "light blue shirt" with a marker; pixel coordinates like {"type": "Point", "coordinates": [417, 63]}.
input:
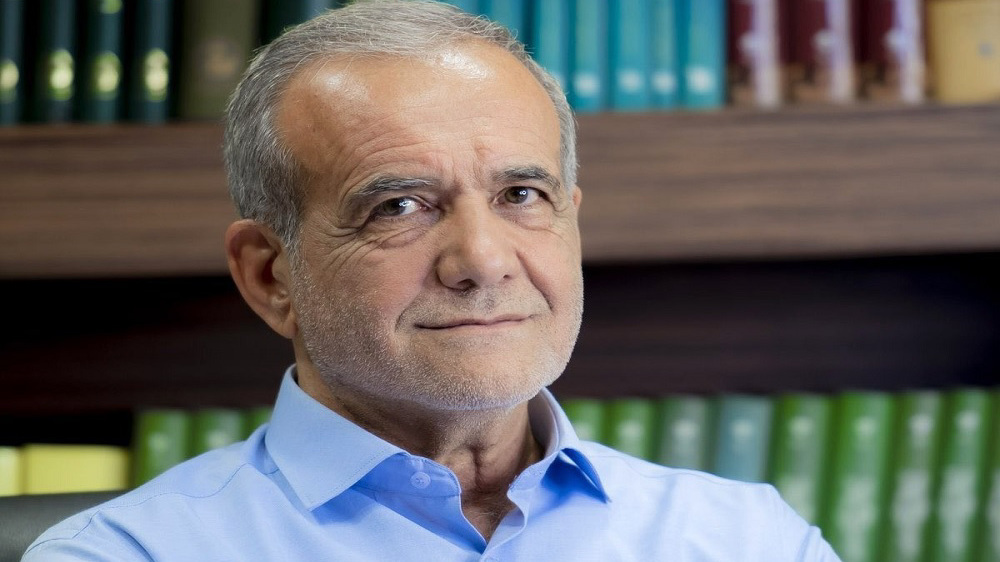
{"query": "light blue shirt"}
{"type": "Point", "coordinates": [314, 486]}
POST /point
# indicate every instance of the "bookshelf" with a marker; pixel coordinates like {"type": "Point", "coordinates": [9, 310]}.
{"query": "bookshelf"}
{"type": "Point", "coordinates": [808, 249]}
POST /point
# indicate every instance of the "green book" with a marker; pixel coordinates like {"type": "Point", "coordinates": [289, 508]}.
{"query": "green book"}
{"type": "Point", "coordinates": [852, 514]}
{"type": "Point", "coordinates": [100, 83]}
{"type": "Point", "coordinates": [279, 15]}
{"type": "Point", "coordinates": [213, 428]}
{"type": "Point", "coordinates": [150, 71]}
{"type": "Point", "coordinates": [587, 416]}
{"type": "Point", "coordinates": [629, 426]}
{"type": "Point", "coordinates": [10, 472]}
{"type": "Point", "coordinates": [685, 431]}
{"type": "Point", "coordinates": [55, 61]}
{"type": "Point", "coordinates": [911, 477]}
{"type": "Point", "coordinates": [742, 437]}
{"type": "Point", "coordinates": [961, 476]}
{"type": "Point", "coordinates": [11, 61]}
{"type": "Point", "coordinates": [256, 417]}
{"type": "Point", "coordinates": [217, 40]}
{"type": "Point", "coordinates": [799, 451]}
{"type": "Point", "coordinates": [161, 439]}
{"type": "Point", "coordinates": [989, 535]}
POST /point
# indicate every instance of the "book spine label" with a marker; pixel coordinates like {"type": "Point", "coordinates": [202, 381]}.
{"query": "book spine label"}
{"type": "Point", "coordinates": [150, 67]}
{"type": "Point", "coordinates": [589, 84]}
{"type": "Point", "coordinates": [685, 428]}
{"type": "Point", "coordinates": [799, 452]}
{"type": "Point", "coordinates": [11, 61]}
{"type": "Point", "coordinates": [742, 437]}
{"type": "Point", "coordinates": [100, 62]}
{"type": "Point", "coordinates": [550, 38]}
{"type": "Point", "coordinates": [665, 60]}
{"type": "Point", "coordinates": [704, 53]}
{"type": "Point", "coordinates": [630, 55]}
{"type": "Point", "coordinates": [822, 51]}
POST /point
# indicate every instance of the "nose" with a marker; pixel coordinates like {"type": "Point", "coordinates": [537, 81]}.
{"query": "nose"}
{"type": "Point", "coordinates": [477, 250]}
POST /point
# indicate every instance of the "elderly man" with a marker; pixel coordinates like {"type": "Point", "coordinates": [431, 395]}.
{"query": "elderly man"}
{"type": "Point", "coordinates": [406, 176]}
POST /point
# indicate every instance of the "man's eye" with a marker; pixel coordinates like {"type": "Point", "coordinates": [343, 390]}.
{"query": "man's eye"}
{"type": "Point", "coordinates": [521, 195]}
{"type": "Point", "coordinates": [396, 207]}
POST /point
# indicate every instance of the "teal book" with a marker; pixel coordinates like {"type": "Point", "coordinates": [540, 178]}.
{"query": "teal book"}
{"type": "Point", "coordinates": [150, 61]}
{"type": "Point", "coordinates": [915, 453]}
{"type": "Point", "coordinates": [961, 483]}
{"type": "Point", "coordinates": [852, 518]}
{"type": "Point", "coordinates": [588, 88]}
{"type": "Point", "coordinates": [665, 64]}
{"type": "Point", "coordinates": [799, 452]}
{"type": "Point", "coordinates": [703, 28]}
{"type": "Point", "coordinates": [55, 61]}
{"type": "Point", "coordinates": [684, 431]}
{"type": "Point", "coordinates": [512, 14]}
{"type": "Point", "coordinates": [587, 416]}
{"type": "Point", "coordinates": [550, 38]}
{"type": "Point", "coordinates": [989, 535]}
{"type": "Point", "coordinates": [11, 61]}
{"type": "Point", "coordinates": [256, 417]}
{"type": "Point", "coordinates": [279, 15]}
{"type": "Point", "coordinates": [630, 55]}
{"type": "Point", "coordinates": [742, 438]}
{"type": "Point", "coordinates": [212, 428]}
{"type": "Point", "coordinates": [100, 83]}
{"type": "Point", "coordinates": [160, 440]}
{"type": "Point", "coordinates": [469, 6]}
{"type": "Point", "coordinates": [217, 40]}
{"type": "Point", "coordinates": [630, 424]}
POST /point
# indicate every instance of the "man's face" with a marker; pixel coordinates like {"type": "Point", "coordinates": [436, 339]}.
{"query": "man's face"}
{"type": "Point", "coordinates": [439, 260]}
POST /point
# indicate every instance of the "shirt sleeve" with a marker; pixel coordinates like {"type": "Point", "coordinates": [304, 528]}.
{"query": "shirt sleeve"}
{"type": "Point", "coordinates": [62, 544]}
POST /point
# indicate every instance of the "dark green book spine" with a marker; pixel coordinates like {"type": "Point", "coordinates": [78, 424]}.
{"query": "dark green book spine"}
{"type": "Point", "coordinates": [911, 478]}
{"type": "Point", "coordinates": [685, 431]}
{"type": "Point", "coordinates": [212, 428]}
{"type": "Point", "coordinates": [55, 61]}
{"type": "Point", "coordinates": [989, 535]}
{"type": "Point", "coordinates": [852, 519]}
{"type": "Point", "coordinates": [11, 61]}
{"type": "Point", "coordinates": [587, 416]}
{"type": "Point", "coordinates": [961, 485]}
{"type": "Point", "coordinates": [799, 451]}
{"type": "Point", "coordinates": [279, 15]}
{"type": "Point", "coordinates": [216, 44]}
{"type": "Point", "coordinates": [630, 423]}
{"type": "Point", "coordinates": [100, 90]}
{"type": "Point", "coordinates": [150, 61]}
{"type": "Point", "coordinates": [161, 439]}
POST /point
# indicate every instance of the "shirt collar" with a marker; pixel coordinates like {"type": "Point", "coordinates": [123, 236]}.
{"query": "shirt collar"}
{"type": "Point", "coordinates": [322, 454]}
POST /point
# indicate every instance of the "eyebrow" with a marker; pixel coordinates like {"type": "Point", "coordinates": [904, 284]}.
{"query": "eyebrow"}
{"type": "Point", "coordinates": [527, 173]}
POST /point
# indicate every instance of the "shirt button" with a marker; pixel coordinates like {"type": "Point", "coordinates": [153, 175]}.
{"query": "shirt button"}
{"type": "Point", "coordinates": [420, 480]}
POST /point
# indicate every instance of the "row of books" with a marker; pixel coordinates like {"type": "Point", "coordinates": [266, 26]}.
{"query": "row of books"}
{"type": "Point", "coordinates": [911, 476]}
{"type": "Point", "coordinates": [161, 439]}
{"type": "Point", "coordinates": [150, 60]}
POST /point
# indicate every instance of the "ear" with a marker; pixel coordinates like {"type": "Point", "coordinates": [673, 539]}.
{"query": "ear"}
{"type": "Point", "coordinates": [259, 266]}
{"type": "Point", "coordinates": [577, 196]}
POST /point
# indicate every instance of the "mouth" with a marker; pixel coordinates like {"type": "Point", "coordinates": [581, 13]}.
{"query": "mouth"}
{"type": "Point", "coordinates": [491, 322]}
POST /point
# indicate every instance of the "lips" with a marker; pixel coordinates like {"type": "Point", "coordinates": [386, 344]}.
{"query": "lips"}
{"type": "Point", "coordinates": [472, 321]}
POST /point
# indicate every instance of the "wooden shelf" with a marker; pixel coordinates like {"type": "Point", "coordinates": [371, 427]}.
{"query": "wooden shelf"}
{"type": "Point", "coordinates": [81, 201]}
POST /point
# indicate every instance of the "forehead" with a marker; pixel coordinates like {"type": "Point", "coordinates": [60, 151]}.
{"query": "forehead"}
{"type": "Point", "coordinates": [342, 115]}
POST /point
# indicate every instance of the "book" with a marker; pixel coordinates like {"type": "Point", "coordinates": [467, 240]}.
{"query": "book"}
{"type": "Point", "coordinates": [150, 59]}
{"type": "Point", "coordinates": [100, 83]}
{"type": "Point", "coordinates": [664, 55]}
{"type": "Point", "coordinates": [217, 40]}
{"type": "Point", "coordinates": [512, 14]}
{"type": "Point", "coordinates": [852, 518]}
{"type": "Point", "coordinates": [989, 533]}
{"type": "Point", "coordinates": [822, 38]}
{"type": "Point", "coordinates": [684, 431]}
{"type": "Point", "coordinates": [892, 63]}
{"type": "Point", "coordinates": [754, 57]}
{"type": "Point", "coordinates": [56, 469]}
{"type": "Point", "coordinates": [964, 50]}
{"type": "Point", "coordinates": [160, 440]}
{"type": "Point", "coordinates": [214, 428]}
{"type": "Point", "coordinates": [799, 453]}
{"type": "Point", "coordinates": [629, 426]}
{"type": "Point", "coordinates": [588, 88]}
{"type": "Point", "coordinates": [742, 437]}
{"type": "Point", "coordinates": [587, 417]}
{"type": "Point", "coordinates": [630, 55]}
{"type": "Point", "coordinates": [703, 53]}
{"type": "Point", "coordinates": [961, 481]}
{"type": "Point", "coordinates": [279, 15]}
{"type": "Point", "coordinates": [55, 61]}
{"type": "Point", "coordinates": [11, 61]}
{"type": "Point", "coordinates": [550, 39]}
{"type": "Point", "coordinates": [915, 454]}
{"type": "Point", "coordinates": [469, 6]}
{"type": "Point", "coordinates": [10, 471]}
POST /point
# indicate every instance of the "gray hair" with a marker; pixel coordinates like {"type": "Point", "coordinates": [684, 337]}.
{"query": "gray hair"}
{"type": "Point", "coordinates": [264, 179]}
